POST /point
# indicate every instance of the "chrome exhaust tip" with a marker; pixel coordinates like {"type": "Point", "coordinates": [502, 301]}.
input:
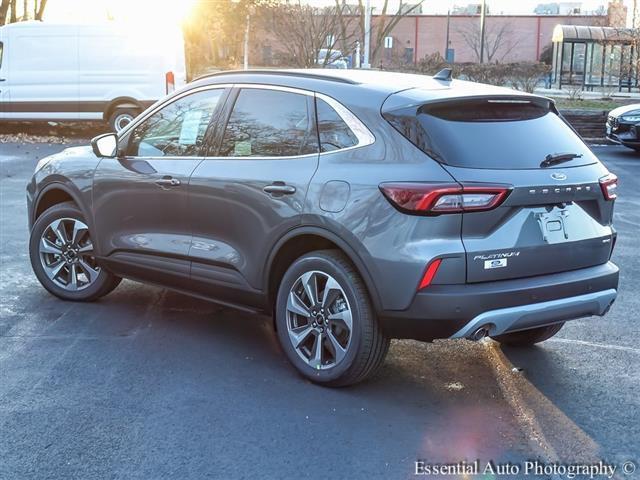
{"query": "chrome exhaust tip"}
{"type": "Point", "coordinates": [480, 333]}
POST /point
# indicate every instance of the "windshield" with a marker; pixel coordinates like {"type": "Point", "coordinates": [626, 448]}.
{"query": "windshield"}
{"type": "Point", "coordinates": [499, 134]}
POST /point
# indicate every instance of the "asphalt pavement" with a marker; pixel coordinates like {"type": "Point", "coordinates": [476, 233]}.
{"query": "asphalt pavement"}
{"type": "Point", "coordinates": [147, 383]}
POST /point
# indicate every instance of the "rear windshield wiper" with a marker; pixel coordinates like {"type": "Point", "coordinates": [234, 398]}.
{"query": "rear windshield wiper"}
{"type": "Point", "coordinates": [556, 158]}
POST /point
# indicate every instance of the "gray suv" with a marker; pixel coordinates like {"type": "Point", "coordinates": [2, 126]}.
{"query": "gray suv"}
{"type": "Point", "coordinates": [354, 206]}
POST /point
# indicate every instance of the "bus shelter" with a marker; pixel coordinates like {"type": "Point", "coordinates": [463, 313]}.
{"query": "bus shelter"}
{"type": "Point", "coordinates": [595, 57]}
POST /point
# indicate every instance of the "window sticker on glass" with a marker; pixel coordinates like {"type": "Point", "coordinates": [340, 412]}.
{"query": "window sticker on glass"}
{"type": "Point", "coordinates": [268, 123]}
{"type": "Point", "coordinates": [190, 127]}
{"type": "Point", "coordinates": [242, 149]}
{"type": "Point", "coordinates": [176, 130]}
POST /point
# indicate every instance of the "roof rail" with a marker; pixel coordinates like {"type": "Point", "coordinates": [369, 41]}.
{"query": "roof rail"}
{"type": "Point", "coordinates": [288, 73]}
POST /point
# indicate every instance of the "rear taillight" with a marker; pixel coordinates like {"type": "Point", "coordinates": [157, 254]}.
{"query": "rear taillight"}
{"type": "Point", "coordinates": [609, 185]}
{"type": "Point", "coordinates": [435, 199]}
{"type": "Point", "coordinates": [170, 82]}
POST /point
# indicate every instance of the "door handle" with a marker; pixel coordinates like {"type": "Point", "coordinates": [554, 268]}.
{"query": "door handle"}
{"type": "Point", "coordinates": [3, 79]}
{"type": "Point", "coordinates": [168, 182]}
{"type": "Point", "coordinates": [279, 188]}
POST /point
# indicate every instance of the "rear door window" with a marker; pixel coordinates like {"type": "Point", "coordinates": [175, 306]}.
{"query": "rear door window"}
{"type": "Point", "coordinates": [269, 123]}
{"type": "Point", "coordinates": [493, 134]}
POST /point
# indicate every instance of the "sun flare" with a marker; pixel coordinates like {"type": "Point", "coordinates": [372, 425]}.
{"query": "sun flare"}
{"type": "Point", "coordinates": [162, 12]}
{"type": "Point", "coordinates": [143, 13]}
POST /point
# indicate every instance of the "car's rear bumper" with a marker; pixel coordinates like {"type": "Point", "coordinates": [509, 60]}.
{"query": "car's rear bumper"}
{"type": "Point", "coordinates": [443, 311]}
{"type": "Point", "coordinates": [504, 320]}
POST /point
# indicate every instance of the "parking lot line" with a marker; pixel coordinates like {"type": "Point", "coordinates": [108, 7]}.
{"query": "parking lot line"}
{"type": "Point", "coordinates": [555, 435]}
{"type": "Point", "coordinates": [596, 345]}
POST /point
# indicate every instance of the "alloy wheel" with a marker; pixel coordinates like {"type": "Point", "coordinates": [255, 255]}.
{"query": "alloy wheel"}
{"type": "Point", "coordinates": [122, 120]}
{"type": "Point", "coordinates": [66, 254]}
{"type": "Point", "coordinates": [319, 320]}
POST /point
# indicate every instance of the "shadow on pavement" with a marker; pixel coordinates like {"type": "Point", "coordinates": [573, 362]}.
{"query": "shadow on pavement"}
{"type": "Point", "coordinates": [570, 376]}
{"type": "Point", "coordinates": [147, 379]}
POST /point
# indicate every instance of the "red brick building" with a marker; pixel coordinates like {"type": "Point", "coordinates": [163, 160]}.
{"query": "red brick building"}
{"type": "Point", "coordinates": [508, 38]}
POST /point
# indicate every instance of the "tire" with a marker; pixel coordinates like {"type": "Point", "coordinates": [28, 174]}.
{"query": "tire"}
{"type": "Point", "coordinates": [121, 117]}
{"type": "Point", "coordinates": [363, 347]}
{"type": "Point", "coordinates": [48, 256]}
{"type": "Point", "coordinates": [526, 338]}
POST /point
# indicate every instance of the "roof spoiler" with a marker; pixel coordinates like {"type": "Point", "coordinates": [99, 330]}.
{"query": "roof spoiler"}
{"type": "Point", "coordinates": [444, 75]}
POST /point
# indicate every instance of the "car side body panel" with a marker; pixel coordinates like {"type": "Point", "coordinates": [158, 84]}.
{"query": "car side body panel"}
{"type": "Point", "coordinates": [70, 171]}
{"type": "Point", "coordinates": [397, 247]}
{"type": "Point", "coordinates": [217, 233]}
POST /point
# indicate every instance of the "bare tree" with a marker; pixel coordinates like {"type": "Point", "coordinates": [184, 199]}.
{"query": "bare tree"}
{"type": "Point", "coordinates": [216, 31]}
{"type": "Point", "coordinates": [303, 31]}
{"type": "Point", "coordinates": [38, 9]}
{"type": "Point", "coordinates": [9, 10]}
{"type": "Point", "coordinates": [498, 40]}
{"type": "Point", "coordinates": [346, 17]}
{"type": "Point", "coordinates": [385, 23]}
{"type": "Point", "coordinates": [14, 11]}
{"type": "Point", "coordinates": [4, 10]}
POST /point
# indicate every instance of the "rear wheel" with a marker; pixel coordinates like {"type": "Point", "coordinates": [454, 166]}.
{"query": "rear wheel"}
{"type": "Point", "coordinates": [62, 256]}
{"type": "Point", "coordinates": [326, 324]}
{"type": "Point", "coordinates": [526, 338]}
{"type": "Point", "coordinates": [121, 117]}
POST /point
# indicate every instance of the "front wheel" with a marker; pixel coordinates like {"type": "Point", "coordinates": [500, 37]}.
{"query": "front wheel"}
{"type": "Point", "coordinates": [326, 324]}
{"type": "Point", "coordinates": [525, 338]}
{"type": "Point", "coordinates": [62, 256]}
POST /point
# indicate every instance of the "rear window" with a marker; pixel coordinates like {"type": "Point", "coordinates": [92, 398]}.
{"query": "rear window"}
{"type": "Point", "coordinates": [496, 134]}
{"type": "Point", "coordinates": [333, 133]}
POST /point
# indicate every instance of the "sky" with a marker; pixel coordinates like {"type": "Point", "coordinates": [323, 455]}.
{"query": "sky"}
{"type": "Point", "coordinates": [501, 6]}
{"type": "Point", "coordinates": [83, 10]}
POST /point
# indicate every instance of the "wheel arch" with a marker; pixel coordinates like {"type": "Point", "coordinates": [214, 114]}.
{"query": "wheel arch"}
{"type": "Point", "coordinates": [301, 240]}
{"type": "Point", "coordinates": [54, 194]}
{"type": "Point", "coordinates": [121, 102]}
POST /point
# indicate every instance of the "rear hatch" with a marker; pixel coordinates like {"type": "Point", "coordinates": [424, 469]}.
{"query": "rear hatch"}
{"type": "Point", "coordinates": [556, 216]}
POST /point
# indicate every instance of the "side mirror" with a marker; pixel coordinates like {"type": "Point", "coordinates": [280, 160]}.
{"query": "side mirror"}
{"type": "Point", "coordinates": [105, 145]}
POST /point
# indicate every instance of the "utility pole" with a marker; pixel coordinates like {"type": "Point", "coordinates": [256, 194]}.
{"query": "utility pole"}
{"type": "Point", "coordinates": [483, 9]}
{"type": "Point", "coordinates": [446, 45]}
{"type": "Point", "coordinates": [367, 34]}
{"type": "Point", "coordinates": [246, 42]}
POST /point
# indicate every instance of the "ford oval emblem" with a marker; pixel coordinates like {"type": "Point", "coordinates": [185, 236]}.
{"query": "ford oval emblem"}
{"type": "Point", "coordinates": [558, 176]}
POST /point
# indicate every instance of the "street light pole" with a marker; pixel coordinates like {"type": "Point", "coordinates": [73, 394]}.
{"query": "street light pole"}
{"type": "Point", "coordinates": [483, 9]}
{"type": "Point", "coordinates": [367, 34]}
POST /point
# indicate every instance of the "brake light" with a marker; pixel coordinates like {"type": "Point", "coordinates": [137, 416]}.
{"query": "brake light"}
{"type": "Point", "coordinates": [609, 186]}
{"type": "Point", "coordinates": [170, 82]}
{"type": "Point", "coordinates": [429, 273]}
{"type": "Point", "coordinates": [435, 199]}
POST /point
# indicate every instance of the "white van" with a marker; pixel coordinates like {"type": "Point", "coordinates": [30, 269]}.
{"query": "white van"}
{"type": "Point", "coordinates": [105, 72]}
